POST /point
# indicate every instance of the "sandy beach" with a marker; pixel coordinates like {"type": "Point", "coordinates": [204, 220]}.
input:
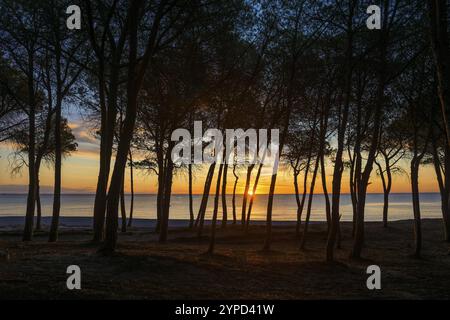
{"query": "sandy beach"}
{"type": "Point", "coordinates": [144, 269]}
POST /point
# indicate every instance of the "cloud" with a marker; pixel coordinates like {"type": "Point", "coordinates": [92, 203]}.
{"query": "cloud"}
{"type": "Point", "coordinates": [21, 188]}
{"type": "Point", "coordinates": [82, 134]}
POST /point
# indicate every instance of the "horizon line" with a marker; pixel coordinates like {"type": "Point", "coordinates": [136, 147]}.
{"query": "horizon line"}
{"type": "Point", "coordinates": [198, 194]}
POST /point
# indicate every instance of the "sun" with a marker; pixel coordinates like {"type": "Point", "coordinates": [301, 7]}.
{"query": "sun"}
{"type": "Point", "coordinates": [250, 192]}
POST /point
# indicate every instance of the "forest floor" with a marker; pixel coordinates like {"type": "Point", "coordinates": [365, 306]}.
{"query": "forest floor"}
{"type": "Point", "coordinates": [144, 269]}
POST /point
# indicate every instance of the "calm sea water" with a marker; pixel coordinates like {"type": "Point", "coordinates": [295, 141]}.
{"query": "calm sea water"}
{"type": "Point", "coordinates": [284, 206]}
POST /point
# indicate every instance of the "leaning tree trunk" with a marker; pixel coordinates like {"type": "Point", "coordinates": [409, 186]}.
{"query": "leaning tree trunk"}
{"type": "Point", "coordinates": [305, 187]}
{"type": "Point", "coordinates": [310, 199]}
{"type": "Point", "coordinates": [216, 207]}
{"type": "Point", "coordinates": [206, 187]}
{"type": "Point", "coordinates": [252, 198]}
{"type": "Point", "coordinates": [204, 204]}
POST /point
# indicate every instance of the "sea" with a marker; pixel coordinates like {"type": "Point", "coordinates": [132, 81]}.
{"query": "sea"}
{"type": "Point", "coordinates": [284, 208]}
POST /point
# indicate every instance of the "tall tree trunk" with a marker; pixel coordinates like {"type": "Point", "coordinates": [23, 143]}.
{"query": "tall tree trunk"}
{"type": "Point", "coordinates": [167, 195]}
{"type": "Point", "coordinates": [310, 199]}
{"type": "Point", "coordinates": [38, 202]}
{"type": "Point", "coordinates": [325, 191]}
{"type": "Point", "coordinates": [365, 177]}
{"type": "Point", "coordinates": [236, 179]}
{"type": "Point", "coordinates": [273, 181]}
{"type": "Point", "coordinates": [444, 186]}
{"type": "Point", "coordinates": [216, 208]}
{"type": "Point", "coordinates": [100, 193]}
{"type": "Point", "coordinates": [338, 165]}
{"type": "Point", "coordinates": [204, 203]}
{"type": "Point", "coordinates": [160, 194]}
{"type": "Point", "coordinates": [446, 195]}
{"type": "Point", "coordinates": [130, 219]}
{"type": "Point", "coordinates": [133, 85]}
{"type": "Point", "coordinates": [441, 52]}
{"type": "Point", "coordinates": [191, 200]}
{"type": "Point", "coordinates": [297, 201]}
{"type": "Point", "coordinates": [302, 202]}
{"type": "Point", "coordinates": [245, 195]}
{"type": "Point", "coordinates": [252, 198]}
{"type": "Point", "coordinates": [387, 184]}
{"type": "Point", "coordinates": [415, 163]}
{"type": "Point", "coordinates": [53, 235]}
{"type": "Point", "coordinates": [352, 186]}
{"type": "Point", "coordinates": [224, 196]}
{"type": "Point", "coordinates": [108, 126]}
{"type": "Point", "coordinates": [123, 211]}
{"type": "Point", "coordinates": [31, 198]}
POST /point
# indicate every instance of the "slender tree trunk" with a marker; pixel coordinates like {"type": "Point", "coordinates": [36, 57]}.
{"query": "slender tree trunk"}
{"type": "Point", "coordinates": [273, 181]}
{"type": "Point", "coordinates": [191, 200]}
{"type": "Point", "coordinates": [204, 204]}
{"type": "Point", "coordinates": [236, 178]}
{"type": "Point", "coordinates": [160, 194]}
{"type": "Point", "coordinates": [387, 191]}
{"type": "Point", "coordinates": [364, 181]}
{"type": "Point", "coordinates": [31, 198]}
{"type": "Point", "coordinates": [216, 208]}
{"type": "Point", "coordinates": [297, 201]}
{"type": "Point", "coordinates": [38, 200]}
{"type": "Point", "coordinates": [123, 211]}
{"type": "Point", "coordinates": [224, 196]}
{"type": "Point", "coordinates": [441, 52]}
{"type": "Point", "coordinates": [310, 199]}
{"type": "Point", "coordinates": [325, 191]}
{"type": "Point", "coordinates": [446, 195]}
{"type": "Point", "coordinates": [415, 163]}
{"type": "Point", "coordinates": [252, 197]}
{"type": "Point", "coordinates": [352, 186]}
{"type": "Point", "coordinates": [53, 235]}
{"type": "Point", "coordinates": [339, 165]}
{"type": "Point", "coordinates": [133, 86]}
{"type": "Point", "coordinates": [130, 219]}
{"type": "Point", "coordinates": [302, 202]}
{"type": "Point", "coordinates": [108, 126]}
{"type": "Point", "coordinates": [245, 195]}
{"type": "Point", "coordinates": [167, 195]}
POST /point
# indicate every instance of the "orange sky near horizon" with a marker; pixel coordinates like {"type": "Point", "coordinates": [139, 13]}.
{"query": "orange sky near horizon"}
{"type": "Point", "coordinates": [80, 170]}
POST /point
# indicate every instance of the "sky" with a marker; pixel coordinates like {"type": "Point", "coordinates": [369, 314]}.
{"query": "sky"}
{"type": "Point", "coordinates": [80, 171]}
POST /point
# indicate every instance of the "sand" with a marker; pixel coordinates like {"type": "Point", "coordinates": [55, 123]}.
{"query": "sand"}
{"type": "Point", "coordinates": [142, 268]}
